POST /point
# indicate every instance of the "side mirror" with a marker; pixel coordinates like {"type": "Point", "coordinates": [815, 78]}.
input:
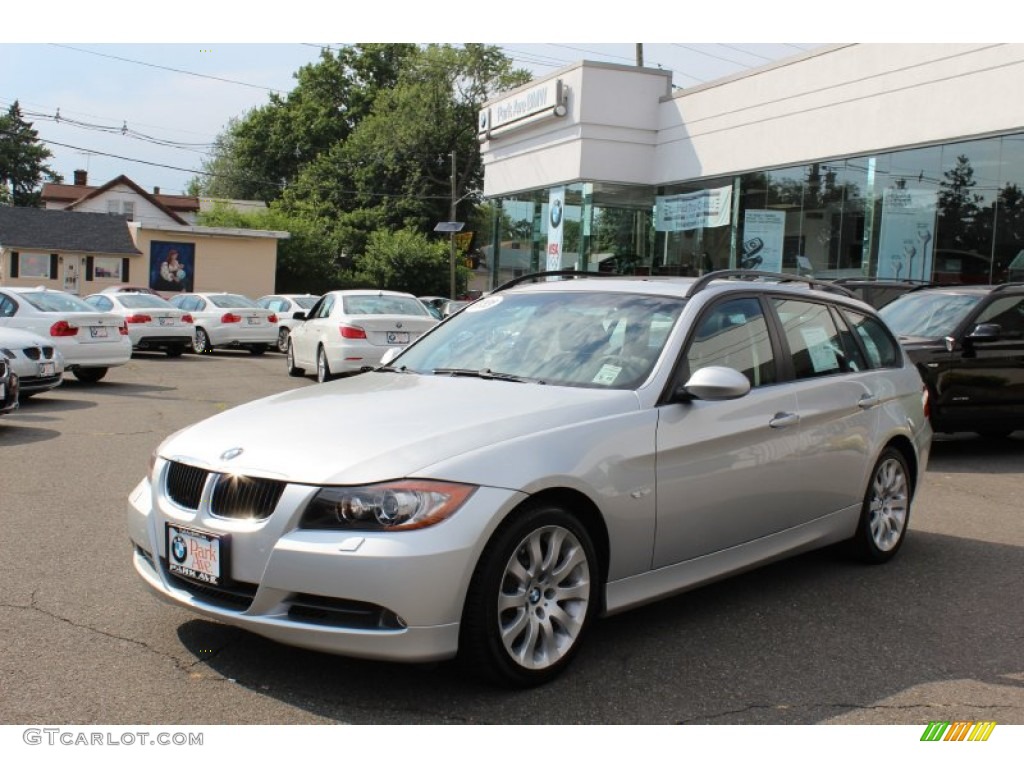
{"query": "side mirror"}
{"type": "Point", "coordinates": [299, 316]}
{"type": "Point", "coordinates": [715, 383]}
{"type": "Point", "coordinates": [984, 332]}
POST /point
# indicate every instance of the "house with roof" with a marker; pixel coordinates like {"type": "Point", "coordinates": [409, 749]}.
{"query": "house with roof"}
{"type": "Point", "coordinates": [209, 258]}
{"type": "Point", "coordinates": [75, 252]}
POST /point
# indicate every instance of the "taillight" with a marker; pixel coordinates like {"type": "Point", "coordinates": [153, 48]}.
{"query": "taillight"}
{"type": "Point", "coordinates": [352, 332]}
{"type": "Point", "coordinates": [926, 402]}
{"type": "Point", "coordinates": [187, 319]}
{"type": "Point", "coordinates": [231, 317]}
{"type": "Point", "coordinates": [123, 329]}
{"type": "Point", "coordinates": [272, 318]}
{"type": "Point", "coordinates": [63, 328]}
{"type": "Point", "coordinates": [138, 319]}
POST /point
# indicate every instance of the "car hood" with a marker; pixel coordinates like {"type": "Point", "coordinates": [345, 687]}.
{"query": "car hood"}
{"type": "Point", "coordinates": [382, 426]}
{"type": "Point", "coordinates": [17, 338]}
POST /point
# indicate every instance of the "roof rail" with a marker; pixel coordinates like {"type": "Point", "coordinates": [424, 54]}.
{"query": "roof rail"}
{"type": "Point", "coordinates": [555, 273]}
{"type": "Point", "coordinates": [780, 277]}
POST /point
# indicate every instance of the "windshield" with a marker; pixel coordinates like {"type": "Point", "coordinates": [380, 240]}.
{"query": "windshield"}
{"type": "Point", "coordinates": [142, 301]}
{"type": "Point", "coordinates": [232, 301]}
{"type": "Point", "coordinates": [597, 340]}
{"type": "Point", "coordinates": [383, 305]}
{"type": "Point", "coordinates": [53, 301]}
{"type": "Point", "coordinates": [928, 315]}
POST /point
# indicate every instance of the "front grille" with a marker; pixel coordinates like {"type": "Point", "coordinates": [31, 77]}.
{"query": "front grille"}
{"type": "Point", "coordinates": [236, 596]}
{"type": "Point", "coordinates": [249, 498]}
{"type": "Point", "coordinates": [185, 484]}
{"type": "Point", "coordinates": [32, 353]}
{"type": "Point", "coordinates": [336, 612]}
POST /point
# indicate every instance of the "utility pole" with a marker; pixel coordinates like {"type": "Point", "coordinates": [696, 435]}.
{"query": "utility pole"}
{"type": "Point", "coordinates": [451, 235]}
{"type": "Point", "coordinates": [639, 54]}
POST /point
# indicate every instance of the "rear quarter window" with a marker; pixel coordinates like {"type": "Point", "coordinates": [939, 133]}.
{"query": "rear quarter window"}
{"type": "Point", "coordinates": [881, 348]}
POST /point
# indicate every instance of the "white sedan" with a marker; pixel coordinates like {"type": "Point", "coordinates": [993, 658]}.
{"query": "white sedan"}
{"type": "Point", "coordinates": [90, 341]}
{"type": "Point", "coordinates": [153, 322]}
{"type": "Point", "coordinates": [35, 359]}
{"type": "Point", "coordinates": [286, 306]}
{"type": "Point", "coordinates": [228, 320]}
{"type": "Point", "coordinates": [349, 331]}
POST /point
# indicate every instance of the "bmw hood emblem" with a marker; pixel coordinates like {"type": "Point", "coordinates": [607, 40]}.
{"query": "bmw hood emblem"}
{"type": "Point", "coordinates": [231, 453]}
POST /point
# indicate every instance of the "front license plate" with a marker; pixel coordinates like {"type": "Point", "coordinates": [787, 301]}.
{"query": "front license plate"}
{"type": "Point", "coordinates": [195, 555]}
{"type": "Point", "coordinates": [98, 332]}
{"type": "Point", "coordinates": [398, 337]}
{"type": "Point", "coordinates": [47, 369]}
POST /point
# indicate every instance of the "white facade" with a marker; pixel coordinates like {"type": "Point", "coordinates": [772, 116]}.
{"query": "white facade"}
{"type": "Point", "coordinates": [623, 124]}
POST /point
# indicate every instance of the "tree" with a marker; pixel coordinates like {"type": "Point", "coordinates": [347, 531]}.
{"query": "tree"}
{"type": "Point", "coordinates": [406, 260]}
{"type": "Point", "coordinates": [959, 208]}
{"type": "Point", "coordinates": [259, 155]}
{"type": "Point", "coordinates": [22, 160]}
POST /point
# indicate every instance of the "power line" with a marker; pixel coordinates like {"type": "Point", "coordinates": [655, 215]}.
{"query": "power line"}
{"type": "Point", "coordinates": [169, 69]}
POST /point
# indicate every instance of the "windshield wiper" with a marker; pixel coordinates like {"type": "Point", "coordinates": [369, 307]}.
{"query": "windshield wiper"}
{"type": "Point", "coordinates": [392, 369]}
{"type": "Point", "coordinates": [484, 373]}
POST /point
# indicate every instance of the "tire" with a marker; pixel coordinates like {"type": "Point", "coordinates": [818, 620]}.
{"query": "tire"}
{"type": "Point", "coordinates": [282, 340]}
{"type": "Point", "coordinates": [202, 344]}
{"type": "Point", "coordinates": [89, 375]}
{"type": "Point", "coordinates": [289, 359]}
{"type": "Point", "coordinates": [886, 510]}
{"type": "Point", "coordinates": [257, 349]}
{"type": "Point", "coordinates": [323, 368]}
{"type": "Point", "coordinates": [527, 612]}
{"type": "Point", "coordinates": [174, 351]}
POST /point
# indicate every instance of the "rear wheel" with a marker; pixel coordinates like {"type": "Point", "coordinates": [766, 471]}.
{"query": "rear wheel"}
{"type": "Point", "coordinates": [323, 368]}
{"type": "Point", "coordinates": [282, 340]}
{"type": "Point", "coordinates": [886, 509]}
{"type": "Point", "coordinates": [293, 370]}
{"type": "Point", "coordinates": [89, 375]}
{"type": "Point", "coordinates": [531, 599]}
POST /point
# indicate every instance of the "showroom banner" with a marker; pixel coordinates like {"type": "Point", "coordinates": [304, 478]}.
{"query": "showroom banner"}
{"type": "Point", "coordinates": [694, 210]}
{"type": "Point", "coordinates": [908, 229]}
{"type": "Point", "coordinates": [171, 266]}
{"type": "Point", "coordinates": [556, 212]}
{"type": "Point", "coordinates": [763, 235]}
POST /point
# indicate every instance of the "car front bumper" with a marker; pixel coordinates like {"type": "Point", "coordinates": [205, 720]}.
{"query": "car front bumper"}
{"type": "Point", "coordinates": [389, 596]}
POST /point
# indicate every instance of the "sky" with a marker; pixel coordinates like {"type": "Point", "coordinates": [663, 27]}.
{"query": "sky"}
{"type": "Point", "coordinates": [132, 96]}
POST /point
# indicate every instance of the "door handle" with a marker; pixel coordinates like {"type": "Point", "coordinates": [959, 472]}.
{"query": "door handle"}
{"type": "Point", "coordinates": [781, 420]}
{"type": "Point", "coordinates": [868, 401]}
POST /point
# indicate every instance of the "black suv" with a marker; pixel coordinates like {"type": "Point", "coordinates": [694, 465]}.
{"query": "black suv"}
{"type": "Point", "coordinates": [968, 343]}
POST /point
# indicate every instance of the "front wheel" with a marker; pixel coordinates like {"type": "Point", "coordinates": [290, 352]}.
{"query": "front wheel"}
{"type": "Point", "coordinates": [531, 598]}
{"type": "Point", "coordinates": [282, 340]}
{"type": "Point", "coordinates": [89, 375]}
{"type": "Point", "coordinates": [886, 509]}
{"type": "Point", "coordinates": [293, 370]}
{"type": "Point", "coordinates": [202, 344]}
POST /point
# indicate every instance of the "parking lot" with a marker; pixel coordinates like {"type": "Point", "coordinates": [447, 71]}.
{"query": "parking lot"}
{"type": "Point", "coordinates": [936, 634]}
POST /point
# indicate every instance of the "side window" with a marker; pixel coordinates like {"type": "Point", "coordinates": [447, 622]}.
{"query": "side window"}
{"type": "Point", "coordinates": [855, 359]}
{"type": "Point", "coordinates": [882, 350]}
{"type": "Point", "coordinates": [734, 334]}
{"type": "Point", "coordinates": [814, 343]}
{"type": "Point", "coordinates": [326, 307]}
{"type": "Point", "coordinates": [7, 307]}
{"type": "Point", "coordinates": [1008, 313]}
{"type": "Point", "coordinates": [101, 303]}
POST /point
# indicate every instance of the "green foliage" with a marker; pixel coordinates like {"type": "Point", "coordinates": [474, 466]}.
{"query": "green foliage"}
{"type": "Point", "coordinates": [405, 260]}
{"type": "Point", "coordinates": [22, 160]}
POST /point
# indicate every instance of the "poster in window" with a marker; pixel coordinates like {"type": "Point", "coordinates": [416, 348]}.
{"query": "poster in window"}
{"type": "Point", "coordinates": [763, 238]}
{"type": "Point", "coordinates": [908, 230]}
{"type": "Point", "coordinates": [171, 266]}
{"type": "Point", "coordinates": [556, 213]}
{"type": "Point", "coordinates": [34, 265]}
{"type": "Point", "coordinates": [106, 268]}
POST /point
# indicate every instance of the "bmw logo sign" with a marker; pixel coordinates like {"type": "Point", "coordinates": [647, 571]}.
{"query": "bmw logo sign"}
{"type": "Point", "coordinates": [485, 120]}
{"type": "Point", "coordinates": [556, 213]}
{"type": "Point", "coordinates": [231, 453]}
{"type": "Point", "coordinates": [178, 549]}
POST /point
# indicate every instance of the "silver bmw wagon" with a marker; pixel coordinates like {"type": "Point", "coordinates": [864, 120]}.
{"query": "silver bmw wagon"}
{"type": "Point", "coordinates": [559, 450]}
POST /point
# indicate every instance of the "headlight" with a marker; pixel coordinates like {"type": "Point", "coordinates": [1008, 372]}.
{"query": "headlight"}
{"type": "Point", "coordinates": [399, 506]}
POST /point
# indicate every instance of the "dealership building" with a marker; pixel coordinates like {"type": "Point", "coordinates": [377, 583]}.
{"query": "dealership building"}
{"type": "Point", "coordinates": [873, 160]}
